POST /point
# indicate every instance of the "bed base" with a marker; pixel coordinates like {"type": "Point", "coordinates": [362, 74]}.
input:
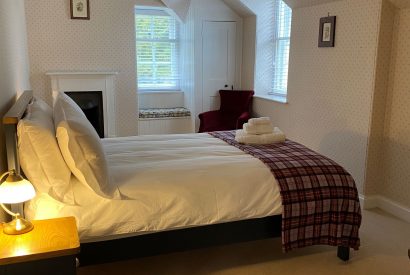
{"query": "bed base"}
{"type": "Point", "coordinates": [185, 239]}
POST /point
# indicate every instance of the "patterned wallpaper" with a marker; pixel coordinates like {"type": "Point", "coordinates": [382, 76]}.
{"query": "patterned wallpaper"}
{"type": "Point", "coordinates": [330, 89]}
{"type": "Point", "coordinates": [335, 94]}
{"type": "Point", "coordinates": [14, 64]}
{"type": "Point", "coordinates": [396, 185]}
{"type": "Point", "coordinates": [104, 43]}
{"type": "Point", "coordinates": [401, 4]}
{"type": "Point", "coordinates": [374, 170]}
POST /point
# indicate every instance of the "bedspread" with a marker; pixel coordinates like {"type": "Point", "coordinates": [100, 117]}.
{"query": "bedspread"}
{"type": "Point", "coordinates": [171, 182]}
{"type": "Point", "coordinates": [319, 198]}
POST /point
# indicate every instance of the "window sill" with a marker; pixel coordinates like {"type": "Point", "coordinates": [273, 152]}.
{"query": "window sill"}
{"type": "Point", "coordinates": [275, 98]}
{"type": "Point", "coordinates": [159, 92]}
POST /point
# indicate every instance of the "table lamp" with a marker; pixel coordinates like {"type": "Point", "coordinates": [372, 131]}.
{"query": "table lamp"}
{"type": "Point", "coordinates": [15, 189]}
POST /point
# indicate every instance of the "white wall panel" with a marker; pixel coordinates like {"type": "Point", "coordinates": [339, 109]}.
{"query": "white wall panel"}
{"type": "Point", "coordinates": [165, 126]}
{"type": "Point", "coordinates": [14, 64]}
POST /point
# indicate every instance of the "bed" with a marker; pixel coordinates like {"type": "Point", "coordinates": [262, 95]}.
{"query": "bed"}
{"type": "Point", "coordinates": [173, 193]}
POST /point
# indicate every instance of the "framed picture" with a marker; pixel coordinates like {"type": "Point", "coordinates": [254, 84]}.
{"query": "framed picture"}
{"type": "Point", "coordinates": [80, 9]}
{"type": "Point", "coordinates": [327, 31]}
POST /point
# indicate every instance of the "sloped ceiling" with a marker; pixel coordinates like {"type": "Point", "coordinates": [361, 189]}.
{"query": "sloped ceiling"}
{"type": "Point", "coordinates": [240, 8]}
{"type": "Point", "coordinates": [179, 7]}
{"type": "Point", "coordinates": [401, 4]}
{"type": "Point", "coordinates": [294, 4]}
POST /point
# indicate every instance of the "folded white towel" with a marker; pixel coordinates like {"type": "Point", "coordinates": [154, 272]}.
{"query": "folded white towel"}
{"type": "Point", "coordinates": [259, 120]}
{"type": "Point", "coordinates": [276, 136]}
{"type": "Point", "coordinates": [257, 129]}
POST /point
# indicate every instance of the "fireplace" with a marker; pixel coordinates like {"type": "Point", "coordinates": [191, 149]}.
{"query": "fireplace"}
{"type": "Point", "coordinates": [91, 103]}
{"type": "Point", "coordinates": [94, 93]}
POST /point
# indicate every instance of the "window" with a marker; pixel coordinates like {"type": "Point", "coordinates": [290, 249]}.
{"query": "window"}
{"type": "Point", "coordinates": [281, 42]}
{"type": "Point", "coordinates": [157, 49]}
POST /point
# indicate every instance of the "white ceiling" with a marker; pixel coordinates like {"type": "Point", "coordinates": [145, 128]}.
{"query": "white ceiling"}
{"type": "Point", "coordinates": [242, 9]}
{"type": "Point", "coordinates": [401, 4]}
{"type": "Point", "coordinates": [180, 7]}
{"type": "Point", "coordinates": [294, 4]}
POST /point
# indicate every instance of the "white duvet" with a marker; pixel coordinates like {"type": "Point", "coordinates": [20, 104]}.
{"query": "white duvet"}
{"type": "Point", "coordinates": [170, 181]}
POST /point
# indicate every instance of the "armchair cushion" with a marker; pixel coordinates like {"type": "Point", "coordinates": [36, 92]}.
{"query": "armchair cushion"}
{"type": "Point", "coordinates": [235, 102]}
{"type": "Point", "coordinates": [216, 121]}
{"type": "Point", "coordinates": [243, 118]}
{"type": "Point", "coordinates": [233, 113]}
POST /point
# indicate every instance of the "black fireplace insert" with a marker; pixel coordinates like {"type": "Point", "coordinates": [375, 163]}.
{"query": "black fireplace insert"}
{"type": "Point", "coordinates": [92, 105]}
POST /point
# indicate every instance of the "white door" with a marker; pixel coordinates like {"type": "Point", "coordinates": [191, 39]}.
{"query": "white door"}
{"type": "Point", "coordinates": [219, 61]}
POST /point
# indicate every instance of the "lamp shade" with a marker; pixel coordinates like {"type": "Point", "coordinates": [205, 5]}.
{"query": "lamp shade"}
{"type": "Point", "coordinates": [16, 190]}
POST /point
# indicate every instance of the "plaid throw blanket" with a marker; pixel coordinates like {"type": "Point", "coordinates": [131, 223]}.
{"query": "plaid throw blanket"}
{"type": "Point", "coordinates": [319, 198]}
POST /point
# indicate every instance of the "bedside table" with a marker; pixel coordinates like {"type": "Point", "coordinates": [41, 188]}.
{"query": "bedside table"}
{"type": "Point", "coordinates": [50, 248]}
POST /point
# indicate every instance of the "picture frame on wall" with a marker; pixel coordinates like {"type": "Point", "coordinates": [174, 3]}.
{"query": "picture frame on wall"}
{"type": "Point", "coordinates": [327, 31]}
{"type": "Point", "coordinates": [80, 9]}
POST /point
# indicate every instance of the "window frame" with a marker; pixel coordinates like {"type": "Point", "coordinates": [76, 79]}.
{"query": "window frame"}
{"type": "Point", "coordinates": [275, 46]}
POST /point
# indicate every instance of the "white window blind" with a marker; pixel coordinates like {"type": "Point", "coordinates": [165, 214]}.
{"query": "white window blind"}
{"type": "Point", "coordinates": [157, 35]}
{"type": "Point", "coordinates": [281, 43]}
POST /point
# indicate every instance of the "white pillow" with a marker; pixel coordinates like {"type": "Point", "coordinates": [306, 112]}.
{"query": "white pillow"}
{"type": "Point", "coordinates": [74, 108]}
{"type": "Point", "coordinates": [40, 104]}
{"type": "Point", "coordinates": [40, 156]}
{"type": "Point", "coordinates": [81, 147]}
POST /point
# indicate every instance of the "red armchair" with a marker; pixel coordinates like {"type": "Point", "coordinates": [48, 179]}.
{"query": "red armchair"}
{"type": "Point", "coordinates": [233, 113]}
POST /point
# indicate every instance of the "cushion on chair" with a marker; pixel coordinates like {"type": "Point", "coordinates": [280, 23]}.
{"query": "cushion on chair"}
{"type": "Point", "coordinates": [234, 111]}
{"type": "Point", "coordinates": [235, 102]}
{"type": "Point", "coordinates": [217, 121]}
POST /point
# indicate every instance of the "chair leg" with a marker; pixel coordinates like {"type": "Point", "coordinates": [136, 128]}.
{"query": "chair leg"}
{"type": "Point", "coordinates": [343, 253]}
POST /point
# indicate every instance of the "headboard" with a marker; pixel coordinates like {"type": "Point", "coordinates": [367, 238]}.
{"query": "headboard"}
{"type": "Point", "coordinates": [10, 121]}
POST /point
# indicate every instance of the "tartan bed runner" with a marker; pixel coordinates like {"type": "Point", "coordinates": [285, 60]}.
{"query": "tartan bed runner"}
{"type": "Point", "coordinates": [320, 202]}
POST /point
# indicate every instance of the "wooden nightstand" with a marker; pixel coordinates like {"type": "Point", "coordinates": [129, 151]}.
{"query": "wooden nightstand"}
{"type": "Point", "coordinates": [50, 248]}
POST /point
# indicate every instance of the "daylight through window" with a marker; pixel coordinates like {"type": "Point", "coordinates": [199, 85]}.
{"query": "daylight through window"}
{"type": "Point", "coordinates": [157, 49]}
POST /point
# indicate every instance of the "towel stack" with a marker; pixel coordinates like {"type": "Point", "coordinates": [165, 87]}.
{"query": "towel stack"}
{"type": "Point", "coordinates": [259, 131]}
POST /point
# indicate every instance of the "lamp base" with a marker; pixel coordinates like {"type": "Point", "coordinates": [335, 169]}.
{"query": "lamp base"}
{"type": "Point", "coordinates": [17, 226]}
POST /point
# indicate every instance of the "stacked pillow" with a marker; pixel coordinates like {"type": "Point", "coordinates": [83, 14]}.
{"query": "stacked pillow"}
{"type": "Point", "coordinates": [81, 147]}
{"type": "Point", "coordinates": [39, 154]}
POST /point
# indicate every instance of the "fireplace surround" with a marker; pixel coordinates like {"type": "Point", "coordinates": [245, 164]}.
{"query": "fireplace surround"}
{"type": "Point", "coordinates": [80, 86]}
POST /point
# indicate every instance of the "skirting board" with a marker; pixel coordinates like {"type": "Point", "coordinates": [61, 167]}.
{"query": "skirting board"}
{"type": "Point", "coordinates": [392, 207]}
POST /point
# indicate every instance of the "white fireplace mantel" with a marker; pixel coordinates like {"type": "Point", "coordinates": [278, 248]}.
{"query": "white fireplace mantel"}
{"type": "Point", "coordinates": [89, 81]}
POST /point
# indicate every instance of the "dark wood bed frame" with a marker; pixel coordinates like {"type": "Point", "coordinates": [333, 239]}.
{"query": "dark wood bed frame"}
{"type": "Point", "coordinates": [160, 242]}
